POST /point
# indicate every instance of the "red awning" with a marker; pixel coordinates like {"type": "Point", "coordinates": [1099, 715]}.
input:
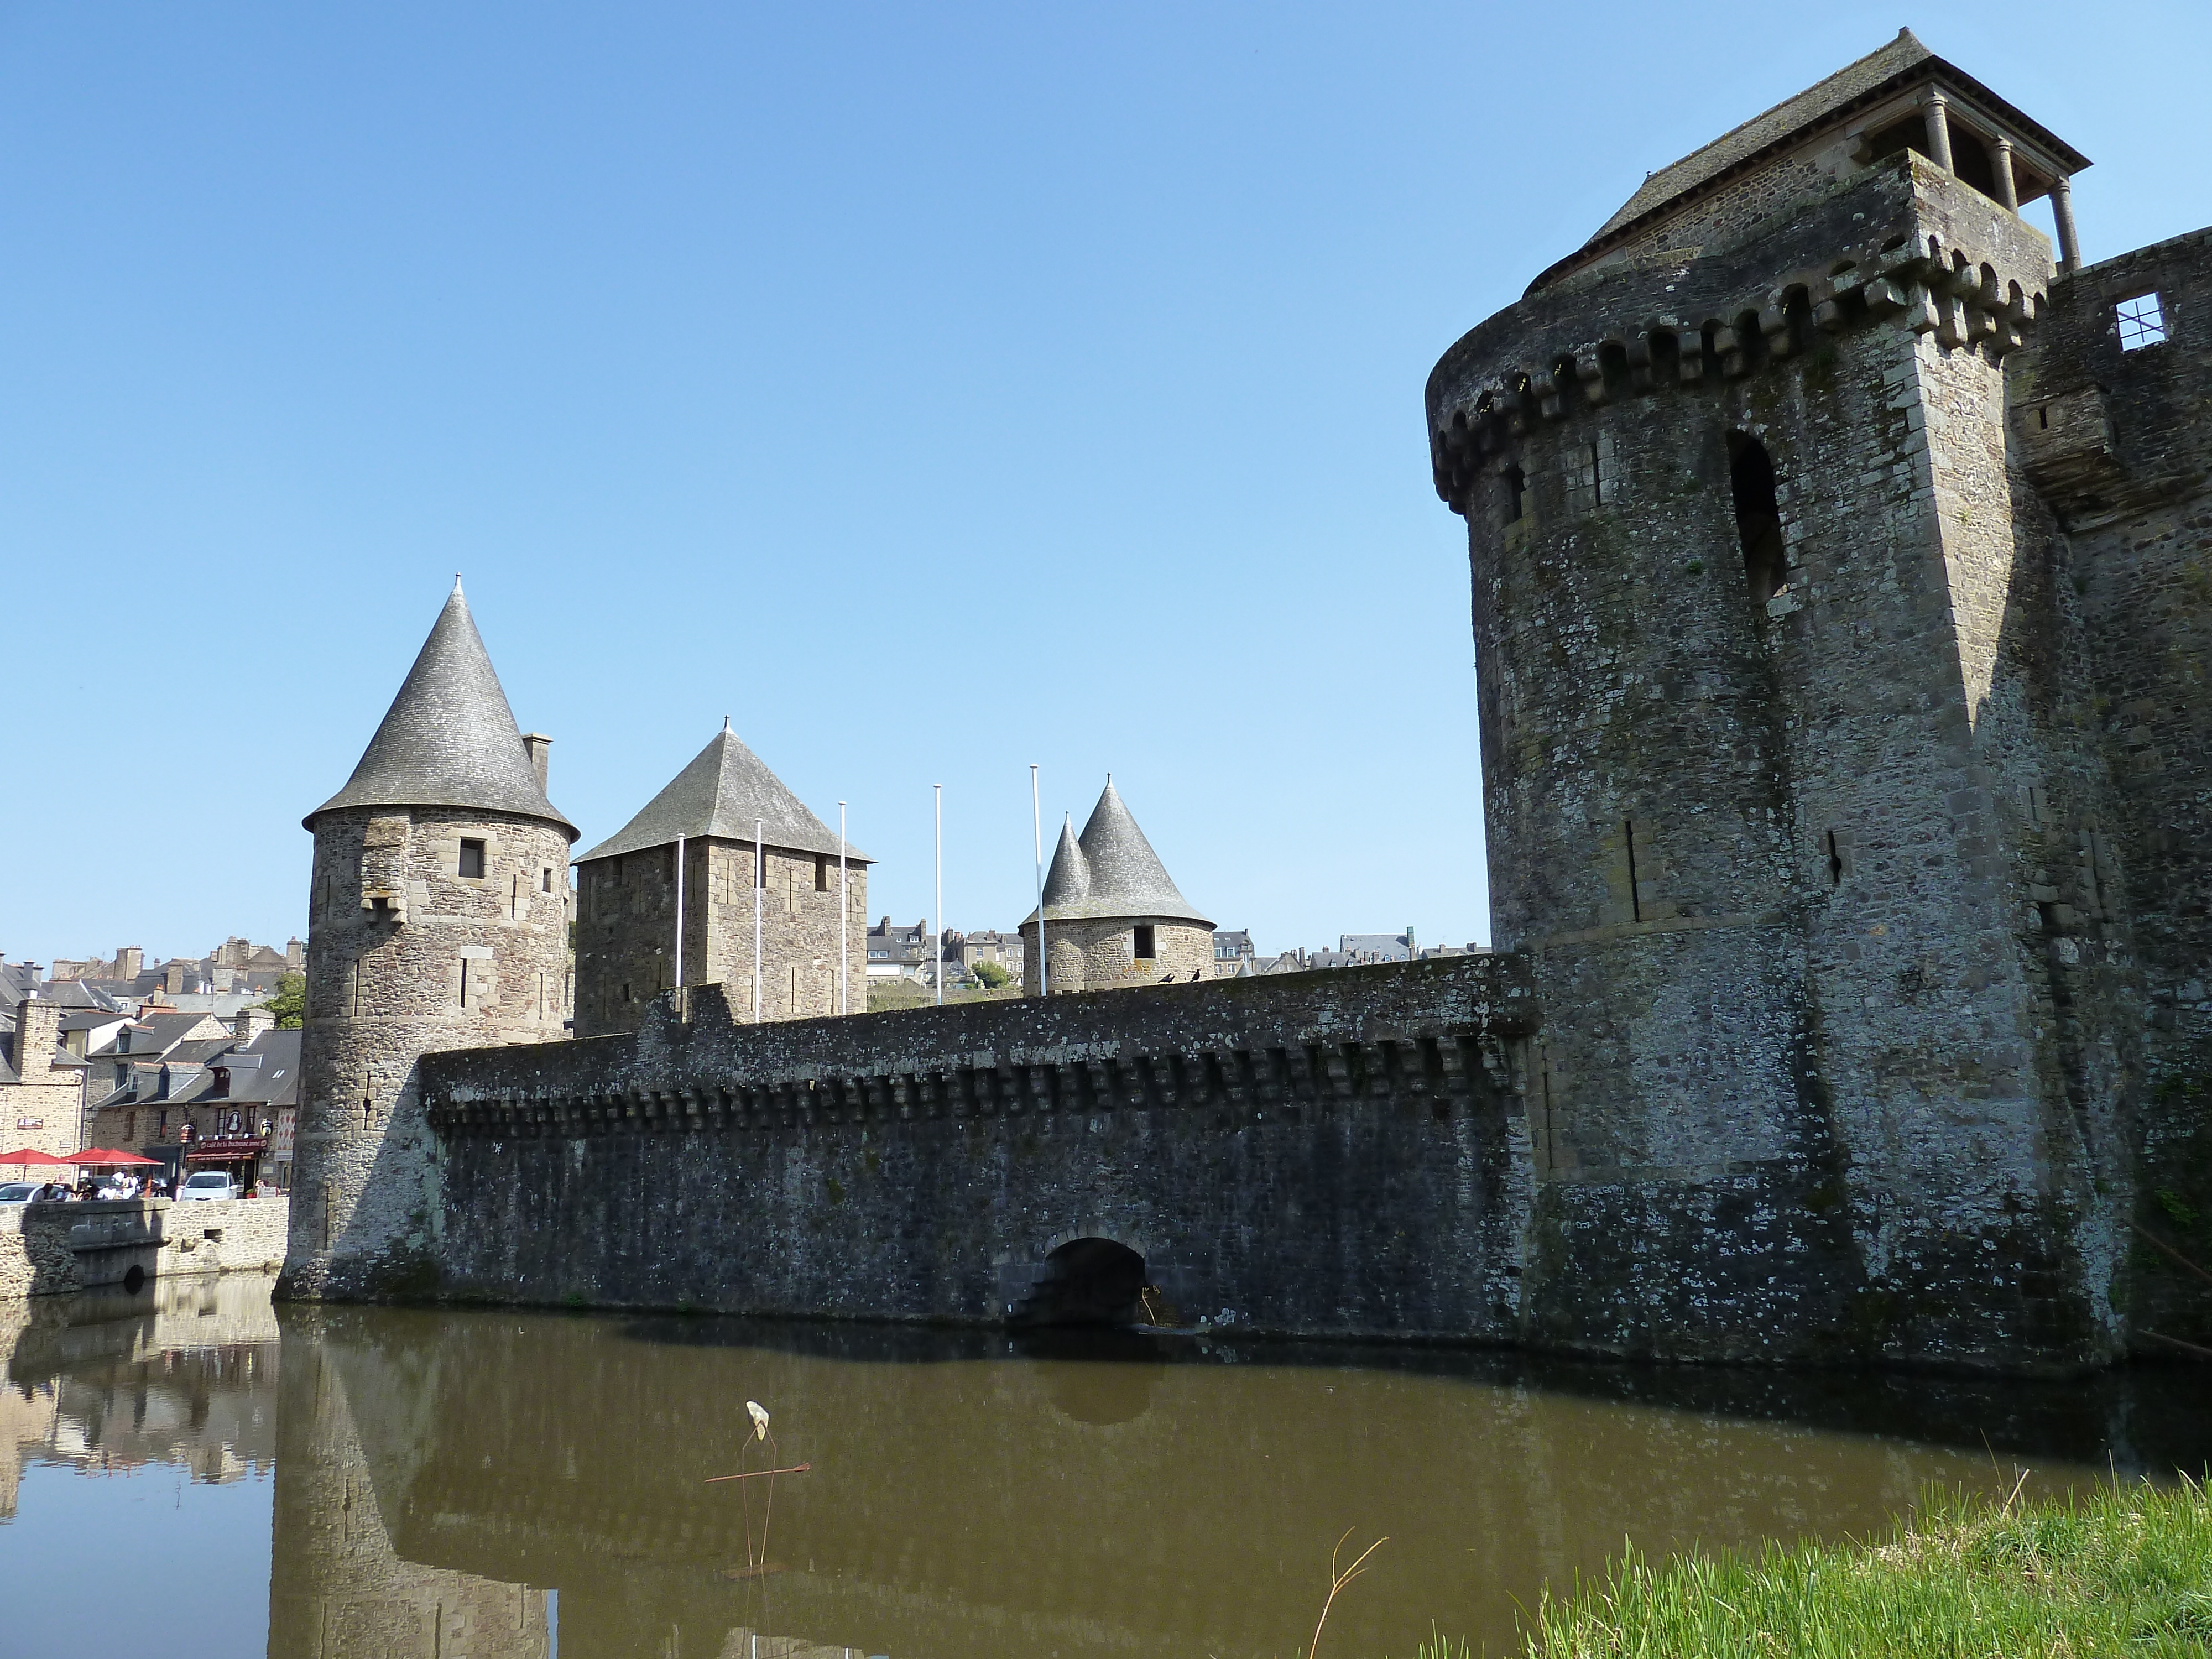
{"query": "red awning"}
{"type": "Point", "coordinates": [235, 1150]}
{"type": "Point", "coordinates": [30, 1155]}
{"type": "Point", "coordinates": [106, 1157]}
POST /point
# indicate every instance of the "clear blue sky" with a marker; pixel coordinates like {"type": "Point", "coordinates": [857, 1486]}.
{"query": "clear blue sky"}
{"type": "Point", "coordinates": [933, 390]}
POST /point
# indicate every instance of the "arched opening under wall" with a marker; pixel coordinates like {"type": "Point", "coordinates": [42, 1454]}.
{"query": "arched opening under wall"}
{"type": "Point", "coordinates": [1758, 515]}
{"type": "Point", "coordinates": [1090, 1281]}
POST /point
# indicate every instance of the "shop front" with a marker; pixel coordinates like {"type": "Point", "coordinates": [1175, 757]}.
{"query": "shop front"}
{"type": "Point", "coordinates": [238, 1156]}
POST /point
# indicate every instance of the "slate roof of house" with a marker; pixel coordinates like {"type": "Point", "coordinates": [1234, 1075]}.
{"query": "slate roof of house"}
{"type": "Point", "coordinates": [76, 994]}
{"type": "Point", "coordinates": [276, 1082]}
{"type": "Point", "coordinates": [198, 1051]}
{"type": "Point", "coordinates": [1881, 72]}
{"type": "Point", "coordinates": [1111, 872]}
{"type": "Point", "coordinates": [449, 738]}
{"type": "Point", "coordinates": [94, 1019]}
{"type": "Point", "coordinates": [157, 1034]}
{"type": "Point", "coordinates": [721, 792]}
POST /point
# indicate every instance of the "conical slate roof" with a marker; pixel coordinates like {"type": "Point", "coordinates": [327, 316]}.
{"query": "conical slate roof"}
{"type": "Point", "coordinates": [721, 792]}
{"type": "Point", "coordinates": [1111, 874]}
{"type": "Point", "coordinates": [1068, 881]}
{"type": "Point", "coordinates": [449, 738]}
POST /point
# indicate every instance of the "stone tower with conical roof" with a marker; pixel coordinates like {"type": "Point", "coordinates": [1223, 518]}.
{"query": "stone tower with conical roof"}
{"type": "Point", "coordinates": [630, 945]}
{"type": "Point", "coordinates": [1113, 914]}
{"type": "Point", "coordinates": [437, 919]}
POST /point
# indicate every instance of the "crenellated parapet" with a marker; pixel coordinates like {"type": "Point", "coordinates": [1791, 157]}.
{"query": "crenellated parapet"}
{"type": "Point", "coordinates": [1924, 263]}
{"type": "Point", "coordinates": [1424, 1034]}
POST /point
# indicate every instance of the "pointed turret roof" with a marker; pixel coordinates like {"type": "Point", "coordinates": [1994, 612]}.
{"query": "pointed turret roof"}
{"type": "Point", "coordinates": [1068, 881]}
{"type": "Point", "coordinates": [1111, 872]}
{"type": "Point", "coordinates": [449, 738]}
{"type": "Point", "coordinates": [721, 792]}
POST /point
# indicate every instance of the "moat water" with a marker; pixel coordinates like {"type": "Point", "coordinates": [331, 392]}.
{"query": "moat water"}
{"type": "Point", "coordinates": [244, 1478]}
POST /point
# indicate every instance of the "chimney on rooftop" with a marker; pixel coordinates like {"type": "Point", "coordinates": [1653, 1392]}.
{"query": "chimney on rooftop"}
{"type": "Point", "coordinates": [539, 747]}
{"type": "Point", "coordinates": [37, 1022]}
{"type": "Point", "coordinates": [248, 1024]}
{"type": "Point", "coordinates": [129, 961]}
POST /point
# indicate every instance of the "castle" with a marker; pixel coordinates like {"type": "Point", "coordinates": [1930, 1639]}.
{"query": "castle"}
{"type": "Point", "coordinates": [1841, 630]}
{"type": "Point", "coordinates": [1838, 590]}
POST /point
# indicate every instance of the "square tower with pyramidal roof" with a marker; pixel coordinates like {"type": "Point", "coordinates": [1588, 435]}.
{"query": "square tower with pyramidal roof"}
{"type": "Point", "coordinates": [723, 864]}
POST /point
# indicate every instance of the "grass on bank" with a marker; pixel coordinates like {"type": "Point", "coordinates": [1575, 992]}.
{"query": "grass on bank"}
{"type": "Point", "coordinates": [2127, 1571]}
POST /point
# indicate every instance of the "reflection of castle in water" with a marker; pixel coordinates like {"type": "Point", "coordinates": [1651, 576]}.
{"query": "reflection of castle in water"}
{"type": "Point", "coordinates": [970, 1497]}
{"type": "Point", "coordinates": [182, 1373]}
{"type": "Point", "coordinates": [437, 1474]}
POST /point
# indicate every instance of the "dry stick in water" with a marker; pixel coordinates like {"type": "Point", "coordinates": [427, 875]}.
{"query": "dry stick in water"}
{"type": "Point", "coordinates": [755, 1474]}
{"type": "Point", "coordinates": [1339, 1580]}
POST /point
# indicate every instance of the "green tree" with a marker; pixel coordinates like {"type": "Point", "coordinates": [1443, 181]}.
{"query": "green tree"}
{"type": "Point", "coordinates": [289, 1001]}
{"type": "Point", "coordinates": [991, 976]}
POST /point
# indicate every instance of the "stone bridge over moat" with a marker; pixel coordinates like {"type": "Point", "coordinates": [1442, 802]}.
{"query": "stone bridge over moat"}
{"type": "Point", "coordinates": [1320, 1153]}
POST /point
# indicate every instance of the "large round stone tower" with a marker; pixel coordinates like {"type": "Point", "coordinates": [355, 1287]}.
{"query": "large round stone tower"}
{"type": "Point", "coordinates": [1779, 753]}
{"type": "Point", "coordinates": [437, 919]}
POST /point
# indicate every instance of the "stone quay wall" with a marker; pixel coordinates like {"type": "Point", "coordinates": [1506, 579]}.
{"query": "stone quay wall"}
{"type": "Point", "coordinates": [48, 1249]}
{"type": "Point", "coordinates": [1336, 1154]}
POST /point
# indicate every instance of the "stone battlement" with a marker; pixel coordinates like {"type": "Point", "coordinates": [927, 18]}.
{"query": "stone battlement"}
{"type": "Point", "coordinates": [1907, 246]}
{"type": "Point", "coordinates": [1416, 1028]}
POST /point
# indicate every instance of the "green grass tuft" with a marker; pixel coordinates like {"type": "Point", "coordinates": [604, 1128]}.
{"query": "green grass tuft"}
{"type": "Point", "coordinates": [2125, 1571]}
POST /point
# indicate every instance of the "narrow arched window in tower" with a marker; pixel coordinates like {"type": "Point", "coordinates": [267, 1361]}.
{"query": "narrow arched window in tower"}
{"type": "Point", "coordinates": [1516, 494]}
{"type": "Point", "coordinates": [1758, 516]}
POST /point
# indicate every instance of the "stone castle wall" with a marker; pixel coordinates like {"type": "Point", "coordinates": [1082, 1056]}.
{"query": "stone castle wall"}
{"type": "Point", "coordinates": [440, 961]}
{"type": "Point", "coordinates": [626, 929]}
{"type": "Point", "coordinates": [1100, 955]}
{"type": "Point", "coordinates": [1329, 1153]}
{"type": "Point", "coordinates": [2120, 442]}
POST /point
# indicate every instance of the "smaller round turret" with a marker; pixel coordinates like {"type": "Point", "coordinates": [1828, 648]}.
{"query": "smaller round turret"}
{"type": "Point", "coordinates": [1113, 914]}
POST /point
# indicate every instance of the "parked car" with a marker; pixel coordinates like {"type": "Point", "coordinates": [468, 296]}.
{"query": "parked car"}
{"type": "Point", "coordinates": [31, 1192]}
{"type": "Point", "coordinates": [207, 1183]}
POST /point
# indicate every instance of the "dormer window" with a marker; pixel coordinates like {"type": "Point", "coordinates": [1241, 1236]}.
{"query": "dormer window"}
{"type": "Point", "coordinates": [472, 861]}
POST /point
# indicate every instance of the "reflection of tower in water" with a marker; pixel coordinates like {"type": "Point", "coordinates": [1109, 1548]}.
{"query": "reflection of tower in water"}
{"type": "Point", "coordinates": [337, 1588]}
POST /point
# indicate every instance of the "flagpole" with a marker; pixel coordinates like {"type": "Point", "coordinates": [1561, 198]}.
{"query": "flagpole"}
{"type": "Point", "coordinates": [844, 916]}
{"type": "Point", "coordinates": [939, 788]}
{"type": "Point", "coordinates": [1036, 833]}
{"type": "Point", "coordinates": [760, 885]}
